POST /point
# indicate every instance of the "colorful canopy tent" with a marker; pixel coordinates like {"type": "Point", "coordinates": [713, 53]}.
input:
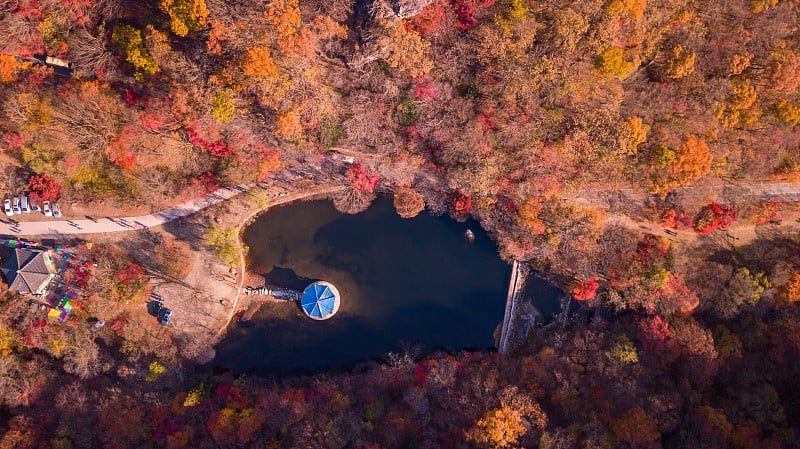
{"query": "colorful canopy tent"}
{"type": "Point", "coordinates": [28, 272]}
{"type": "Point", "coordinates": [60, 312]}
{"type": "Point", "coordinates": [320, 300]}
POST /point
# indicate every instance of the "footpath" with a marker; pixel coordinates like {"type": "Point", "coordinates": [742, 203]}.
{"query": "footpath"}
{"type": "Point", "coordinates": [11, 227]}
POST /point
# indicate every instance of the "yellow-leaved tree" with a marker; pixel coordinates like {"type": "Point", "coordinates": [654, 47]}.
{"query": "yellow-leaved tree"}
{"type": "Point", "coordinates": [632, 133]}
{"type": "Point", "coordinates": [611, 62]}
{"type": "Point", "coordinates": [132, 44]}
{"type": "Point", "coordinates": [681, 62]}
{"type": "Point", "coordinates": [186, 16]}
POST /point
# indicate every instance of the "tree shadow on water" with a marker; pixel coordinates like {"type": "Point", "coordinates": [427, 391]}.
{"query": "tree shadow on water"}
{"type": "Point", "coordinates": [286, 278]}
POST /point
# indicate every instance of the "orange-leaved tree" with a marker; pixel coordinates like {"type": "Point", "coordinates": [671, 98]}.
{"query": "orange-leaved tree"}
{"type": "Point", "coordinates": [408, 202]}
{"type": "Point", "coordinates": [790, 291]}
{"type": "Point", "coordinates": [403, 49]}
{"type": "Point", "coordinates": [636, 428]}
{"type": "Point", "coordinates": [679, 167]}
{"type": "Point", "coordinates": [498, 428]}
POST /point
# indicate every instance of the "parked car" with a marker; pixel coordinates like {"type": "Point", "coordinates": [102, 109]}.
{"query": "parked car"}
{"type": "Point", "coordinates": [157, 306]}
{"type": "Point", "coordinates": [46, 209]}
{"type": "Point", "coordinates": [164, 315]}
{"type": "Point", "coordinates": [15, 205]}
{"type": "Point", "coordinates": [56, 210]}
{"type": "Point", "coordinates": [7, 207]}
{"type": "Point", "coordinates": [24, 206]}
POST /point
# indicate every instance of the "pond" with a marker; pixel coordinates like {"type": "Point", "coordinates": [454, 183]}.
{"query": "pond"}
{"type": "Point", "coordinates": [403, 283]}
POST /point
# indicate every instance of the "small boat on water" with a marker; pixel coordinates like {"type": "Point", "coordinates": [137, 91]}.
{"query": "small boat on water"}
{"type": "Point", "coordinates": [469, 235]}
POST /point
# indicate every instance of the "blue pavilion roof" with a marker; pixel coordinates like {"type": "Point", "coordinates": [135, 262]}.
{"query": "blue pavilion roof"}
{"type": "Point", "coordinates": [318, 301]}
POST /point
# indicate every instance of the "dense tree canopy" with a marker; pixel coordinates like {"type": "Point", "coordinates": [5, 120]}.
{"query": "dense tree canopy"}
{"type": "Point", "coordinates": [561, 126]}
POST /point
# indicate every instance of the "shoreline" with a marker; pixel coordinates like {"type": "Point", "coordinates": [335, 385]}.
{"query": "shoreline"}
{"type": "Point", "coordinates": [240, 245]}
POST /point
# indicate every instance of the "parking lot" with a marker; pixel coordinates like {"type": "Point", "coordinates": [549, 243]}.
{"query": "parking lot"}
{"type": "Point", "coordinates": [24, 204]}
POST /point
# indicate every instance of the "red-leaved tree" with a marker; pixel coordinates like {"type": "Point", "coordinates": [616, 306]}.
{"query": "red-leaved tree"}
{"type": "Point", "coordinates": [44, 188]}
{"type": "Point", "coordinates": [361, 179]}
{"type": "Point", "coordinates": [431, 19]}
{"type": "Point", "coordinates": [676, 220]}
{"type": "Point", "coordinates": [462, 203]}
{"type": "Point", "coordinates": [713, 216]}
{"type": "Point", "coordinates": [585, 290]}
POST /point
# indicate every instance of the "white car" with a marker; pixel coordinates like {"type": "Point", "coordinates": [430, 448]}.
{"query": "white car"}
{"type": "Point", "coordinates": [56, 210]}
{"type": "Point", "coordinates": [15, 206]}
{"type": "Point", "coordinates": [26, 208]}
{"type": "Point", "coordinates": [46, 209]}
{"type": "Point", "coordinates": [7, 207]}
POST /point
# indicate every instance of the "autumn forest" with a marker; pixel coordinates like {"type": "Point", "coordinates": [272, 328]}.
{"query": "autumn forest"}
{"type": "Point", "coordinates": [641, 155]}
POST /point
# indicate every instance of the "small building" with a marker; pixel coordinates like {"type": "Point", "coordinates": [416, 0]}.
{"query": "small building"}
{"type": "Point", "coordinates": [320, 300]}
{"type": "Point", "coordinates": [28, 272]}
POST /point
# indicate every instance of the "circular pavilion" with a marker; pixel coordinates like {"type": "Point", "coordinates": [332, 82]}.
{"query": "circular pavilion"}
{"type": "Point", "coordinates": [320, 300]}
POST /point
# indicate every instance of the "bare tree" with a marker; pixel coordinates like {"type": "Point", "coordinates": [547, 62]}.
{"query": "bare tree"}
{"type": "Point", "coordinates": [91, 55]}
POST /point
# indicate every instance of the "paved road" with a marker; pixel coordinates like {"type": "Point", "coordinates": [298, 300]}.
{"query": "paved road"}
{"type": "Point", "coordinates": [50, 227]}
{"type": "Point", "coordinates": [768, 191]}
{"type": "Point", "coordinates": [779, 191]}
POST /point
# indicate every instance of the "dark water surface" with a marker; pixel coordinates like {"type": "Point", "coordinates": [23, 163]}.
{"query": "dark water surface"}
{"type": "Point", "coordinates": [402, 282]}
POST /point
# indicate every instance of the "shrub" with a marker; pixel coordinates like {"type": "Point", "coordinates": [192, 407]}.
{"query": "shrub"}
{"type": "Point", "coordinates": [268, 166]}
{"type": "Point", "coordinates": [713, 216]}
{"type": "Point", "coordinates": [622, 349]}
{"type": "Point", "coordinates": [329, 132]}
{"type": "Point", "coordinates": [766, 212]}
{"type": "Point", "coordinates": [44, 188]}
{"type": "Point", "coordinates": [225, 242]}
{"type": "Point", "coordinates": [663, 156]}
{"type": "Point", "coordinates": [676, 220]}
{"type": "Point", "coordinates": [197, 394]}
{"type": "Point", "coordinates": [222, 108]}
{"type": "Point", "coordinates": [156, 370]}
